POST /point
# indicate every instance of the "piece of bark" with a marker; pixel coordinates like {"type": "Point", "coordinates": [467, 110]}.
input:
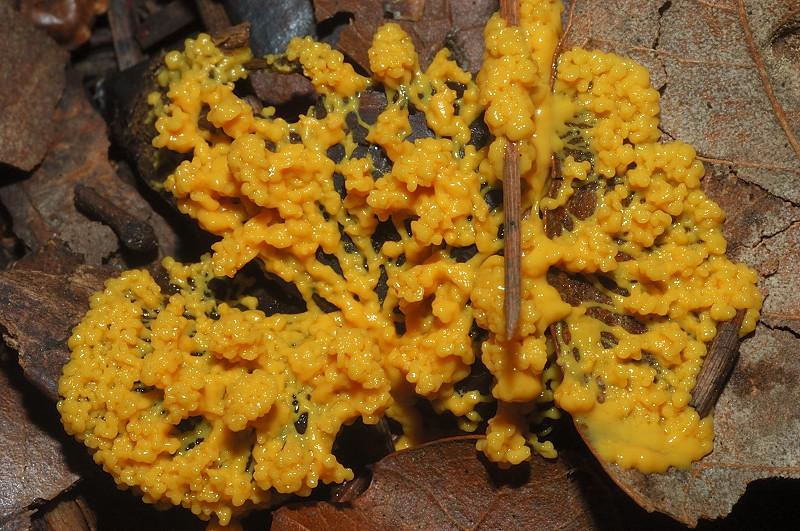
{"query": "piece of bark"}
{"type": "Point", "coordinates": [273, 88]}
{"type": "Point", "coordinates": [31, 83]}
{"type": "Point", "coordinates": [121, 20]}
{"type": "Point", "coordinates": [131, 128]}
{"type": "Point", "coordinates": [167, 21]}
{"type": "Point", "coordinates": [41, 299]}
{"type": "Point", "coordinates": [67, 515]}
{"type": "Point", "coordinates": [213, 15]}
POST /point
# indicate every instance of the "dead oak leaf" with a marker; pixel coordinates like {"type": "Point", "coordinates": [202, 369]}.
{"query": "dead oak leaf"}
{"type": "Point", "coordinates": [427, 22]}
{"type": "Point", "coordinates": [730, 87]}
{"type": "Point", "coordinates": [31, 83]}
{"type": "Point", "coordinates": [727, 72]}
{"type": "Point", "coordinates": [448, 485]}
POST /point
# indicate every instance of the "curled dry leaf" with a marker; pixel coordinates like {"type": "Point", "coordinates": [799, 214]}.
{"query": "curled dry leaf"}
{"type": "Point", "coordinates": [447, 485]}
{"type": "Point", "coordinates": [730, 87]}
{"type": "Point", "coordinates": [31, 83]}
{"type": "Point", "coordinates": [428, 23]}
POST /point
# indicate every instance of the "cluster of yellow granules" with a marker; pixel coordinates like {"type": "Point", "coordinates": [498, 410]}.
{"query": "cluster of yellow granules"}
{"type": "Point", "coordinates": [392, 233]}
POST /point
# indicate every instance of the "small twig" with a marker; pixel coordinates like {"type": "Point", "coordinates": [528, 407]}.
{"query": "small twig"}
{"type": "Point", "coordinates": [723, 352]}
{"type": "Point", "coordinates": [512, 238]}
{"type": "Point", "coordinates": [134, 235]}
{"type": "Point", "coordinates": [509, 10]}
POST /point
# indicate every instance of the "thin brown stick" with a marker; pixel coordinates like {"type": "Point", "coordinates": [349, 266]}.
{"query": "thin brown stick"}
{"type": "Point", "coordinates": [723, 352]}
{"type": "Point", "coordinates": [512, 239]}
{"type": "Point", "coordinates": [509, 10]}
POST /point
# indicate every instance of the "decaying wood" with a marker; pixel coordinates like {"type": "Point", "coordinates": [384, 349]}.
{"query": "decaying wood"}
{"type": "Point", "coordinates": [232, 37]}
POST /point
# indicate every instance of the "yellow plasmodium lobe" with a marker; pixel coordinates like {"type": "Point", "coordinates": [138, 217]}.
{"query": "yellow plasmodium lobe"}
{"type": "Point", "coordinates": [655, 251]}
{"type": "Point", "coordinates": [381, 207]}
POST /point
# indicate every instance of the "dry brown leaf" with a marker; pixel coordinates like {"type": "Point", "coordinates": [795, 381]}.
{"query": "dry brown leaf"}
{"type": "Point", "coordinates": [32, 465]}
{"type": "Point", "coordinates": [728, 72]}
{"type": "Point", "coordinates": [31, 83]}
{"type": "Point", "coordinates": [17, 522]}
{"type": "Point", "coordinates": [428, 23]}
{"type": "Point", "coordinates": [448, 485]}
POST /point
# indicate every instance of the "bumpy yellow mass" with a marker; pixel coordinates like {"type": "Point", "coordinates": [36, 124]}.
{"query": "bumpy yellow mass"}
{"type": "Point", "coordinates": [382, 207]}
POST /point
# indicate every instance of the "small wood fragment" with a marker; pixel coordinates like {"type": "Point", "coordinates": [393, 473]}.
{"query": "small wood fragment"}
{"type": "Point", "coordinates": [68, 515]}
{"type": "Point", "coordinates": [723, 352]}
{"type": "Point", "coordinates": [134, 235]}
{"type": "Point", "coordinates": [509, 10]}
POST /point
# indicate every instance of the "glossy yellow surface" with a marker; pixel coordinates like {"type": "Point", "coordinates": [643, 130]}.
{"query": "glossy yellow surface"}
{"type": "Point", "coordinates": [216, 406]}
